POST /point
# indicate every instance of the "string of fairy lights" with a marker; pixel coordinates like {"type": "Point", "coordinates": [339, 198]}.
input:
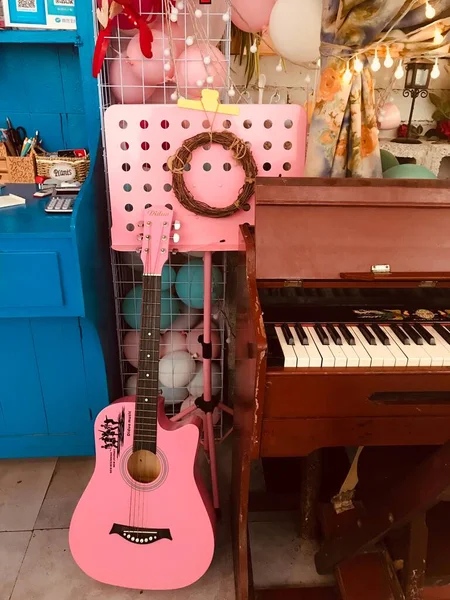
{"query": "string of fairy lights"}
{"type": "Point", "coordinates": [355, 64]}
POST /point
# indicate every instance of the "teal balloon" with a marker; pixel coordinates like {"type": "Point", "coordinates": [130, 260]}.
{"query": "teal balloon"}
{"type": "Point", "coordinates": [388, 160]}
{"type": "Point", "coordinates": [409, 171]}
{"type": "Point", "coordinates": [190, 283]}
{"type": "Point", "coordinates": [132, 306]}
{"type": "Point", "coordinates": [168, 277]}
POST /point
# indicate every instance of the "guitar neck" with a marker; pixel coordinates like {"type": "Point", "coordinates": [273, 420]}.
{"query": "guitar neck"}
{"type": "Point", "coordinates": [145, 425]}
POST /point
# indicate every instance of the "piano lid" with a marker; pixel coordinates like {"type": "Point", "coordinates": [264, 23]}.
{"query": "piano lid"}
{"type": "Point", "coordinates": [321, 229]}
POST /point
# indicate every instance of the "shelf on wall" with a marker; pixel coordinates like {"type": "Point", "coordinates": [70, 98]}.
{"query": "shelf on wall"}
{"type": "Point", "coordinates": [38, 36]}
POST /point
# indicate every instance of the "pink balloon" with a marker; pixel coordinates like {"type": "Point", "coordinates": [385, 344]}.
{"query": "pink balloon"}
{"type": "Point", "coordinates": [131, 347]}
{"type": "Point", "coordinates": [171, 341]}
{"type": "Point", "coordinates": [251, 16]}
{"type": "Point", "coordinates": [389, 116]}
{"type": "Point", "coordinates": [195, 347]}
{"type": "Point", "coordinates": [153, 68]}
{"type": "Point", "coordinates": [191, 71]}
{"type": "Point", "coordinates": [190, 401]}
{"type": "Point", "coordinates": [125, 85]}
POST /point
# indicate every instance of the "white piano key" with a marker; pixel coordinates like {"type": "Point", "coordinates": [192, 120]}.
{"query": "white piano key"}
{"type": "Point", "coordinates": [350, 353]}
{"type": "Point", "coordinates": [315, 358]}
{"type": "Point", "coordinates": [340, 358]}
{"type": "Point", "coordinates": [365, 359]}
{"type": "Point", "coordinates": [375, 356]}
{"type": "Point", "coordinates": [418, 352]}
{"type": "Point", "coordinates": [300, 350]}
{"type": "Point", "coordinates": [384, 351]}
{"type": "Point", "coordinates": [325, 352]}
{"type": "Point", "coordinates": [408, 349]}
{"type": "Point", "coordinates": [290, 358]}
{"type": "Point", "coordinates": [396, 347]}
{"type": "Point", "coordinates": [441, 343]}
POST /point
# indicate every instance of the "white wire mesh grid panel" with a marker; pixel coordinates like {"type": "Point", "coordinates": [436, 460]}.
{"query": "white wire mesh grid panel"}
{"type": "Point", "coordinates": [181, 349]}
{"type": "Point", "coordinates": [189, 54]}
{"type": "Point", "coordinates": [140, 141]}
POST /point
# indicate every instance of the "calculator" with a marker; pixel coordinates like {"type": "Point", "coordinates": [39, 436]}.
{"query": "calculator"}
{"type": "Point", "coordinates": [61, 204]}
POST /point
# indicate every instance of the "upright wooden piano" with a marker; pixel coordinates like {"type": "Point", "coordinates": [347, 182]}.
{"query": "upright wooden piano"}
{"type": "Point", "coordinates": [343, 335]}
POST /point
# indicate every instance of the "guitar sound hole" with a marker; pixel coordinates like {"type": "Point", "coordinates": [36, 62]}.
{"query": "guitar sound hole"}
{"type": "Point", "coordinates": [144, 466]}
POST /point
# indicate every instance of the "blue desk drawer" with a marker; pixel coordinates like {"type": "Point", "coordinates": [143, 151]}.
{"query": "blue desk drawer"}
{"type": "Point", "coordinates": [39, 278]}
{"type": "Point", "coordinates": [30, 279]}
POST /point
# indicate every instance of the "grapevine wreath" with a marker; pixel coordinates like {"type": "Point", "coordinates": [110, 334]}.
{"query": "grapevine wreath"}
{"type": "Point", "coordinates": [242, 154]}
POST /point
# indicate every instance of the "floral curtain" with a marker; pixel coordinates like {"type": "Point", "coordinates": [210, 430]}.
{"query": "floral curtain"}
{"type": "Point", "coordinates": [343, 138]}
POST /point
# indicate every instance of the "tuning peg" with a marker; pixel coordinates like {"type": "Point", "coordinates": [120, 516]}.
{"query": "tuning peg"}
{"type": "Point", "coordinates": [140, 237]}
{"type": "Point", "coordinates": [140, 224]}
{"type": "Point", "coordinates": [176, 225]}
{"type": "Point", "coordinates": [176, 238]}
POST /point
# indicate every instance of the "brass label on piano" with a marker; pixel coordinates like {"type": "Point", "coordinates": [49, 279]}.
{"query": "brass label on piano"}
{"type": "Point", "coordinates": [293, 283]}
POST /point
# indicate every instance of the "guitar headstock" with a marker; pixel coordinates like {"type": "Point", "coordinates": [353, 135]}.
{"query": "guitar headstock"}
{"type": "Point", "coordinates": [156, 235]}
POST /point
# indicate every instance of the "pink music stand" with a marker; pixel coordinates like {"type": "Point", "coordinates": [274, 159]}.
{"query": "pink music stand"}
{"type": "Point", "coordinates": [139, 141]}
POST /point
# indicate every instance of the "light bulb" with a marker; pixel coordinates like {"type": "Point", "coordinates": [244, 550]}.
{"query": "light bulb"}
{"type": "Point", "coordinates": [199, 82]}
{"type": "Point", "coordinates": [189, 40]}
{"type": "Point", "coordinates": [173, 17]}
{"type": "Point", "coordinates": [358, 65]}
{"type": "Point", "coordinates": [319, 62]}
{"type": "Point", "coordinates": [167, 66]}
{"type": "Point", "coordinates": [308, 79]}
{"type": "Point", "coordinates": [347, 77]}
{"type": "Point", "coordinates": [253, 48]}
{"type": "Point", "coordinates": [399, 71]}
{"type": "Point", "coordinates": [435, 72]}
{"type": "Point", "coordinates": [174, 10]}
{"type": "Point", "coordinates": [207, 60]}
{"type": "Point", "coordinates": [210, 79]}
{"type": "Point", "coordinates": [438, 37]}
{"type": "Point", "coordinates": [174, 96]}
{"type": "Point", "coordinates": [198, 14]}
{"type": "Point", "coordinates": [429, 10]}
{"type": "Point", "coordinates": [226, 17]}
{"type": "Point", "coordinates": [167, 52]}
{"type": "Point", "coordinates": [231, 92]}
{"type": "Point", "coordinates": [279, 67]}
{"type": "Point", "coordinates": [376, 65]}
{"type": "Point", "coordinates": [388, 61]}
{"type": "Point", "coordinates": [180, 5]}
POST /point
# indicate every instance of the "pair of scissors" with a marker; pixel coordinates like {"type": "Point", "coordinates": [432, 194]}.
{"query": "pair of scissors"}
{"type": "Point", "coordinates": [16, 137]}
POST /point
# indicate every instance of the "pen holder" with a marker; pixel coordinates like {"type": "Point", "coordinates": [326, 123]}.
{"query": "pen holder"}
{"type": "Point", "coordinates": [21, 169]}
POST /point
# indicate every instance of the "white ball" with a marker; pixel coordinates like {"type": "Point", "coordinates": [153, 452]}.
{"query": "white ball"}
{"type": "Point", "coordinates": [207, 60]}
{"type": "Point", "coordinates": [189, 40]}
{"type": "Point", "coordinates": [195, 387]}
{"type": "Point", "coordinates": [173, 395]}
{"type": "Point", "coordinates": [279, 68]}
{"type": "Point", "coordinates": [174, 10]}
{"type": "Point", "coordinates": [180, 5]}
{"type": "Point", "coordinates": [294, 29]}
{"type": "Point", "coordinates": [199, 82]}
{"type": "Point", "coordinates": [190, 401]}
{"type": "Point", "coordinates": [253, 48]}
{"type": "Point", "coordinates": [131, 385]}
{"type": "Point", "coordinates": [167, 66]}
{"type": "Point", "coordinates": [210, 79]}
{"type": "Point", "coordinates": [231, 92]}
{"type": "Point", "coordinates": [167, 52]}
{"type": "Point", "coordinates": [174, 96]}
{"type": "Point", "coordinates": [176, 369]}
{"type": "Point", "coordinates": [174, 17]}
{"type": "Point", "coordinates": [226, 17]}
{"type": "Point", "coordinates": [198, 14]}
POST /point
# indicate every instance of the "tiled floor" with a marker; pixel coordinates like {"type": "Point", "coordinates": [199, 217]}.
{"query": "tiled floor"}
{"type": "Point", "coordinates": [37, 498]}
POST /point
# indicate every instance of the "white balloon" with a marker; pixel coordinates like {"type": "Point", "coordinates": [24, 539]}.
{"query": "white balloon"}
{"type": "Point", "coordinates": [294, 29]}
{"type": "Point", "coordinates": [196, 385]}
{"type": "Point", "coordinates": [131, 385]}
{"type": "Point", "coordinates": [173, 395]}
{"type": "Point", "coordinates": [176, 369]}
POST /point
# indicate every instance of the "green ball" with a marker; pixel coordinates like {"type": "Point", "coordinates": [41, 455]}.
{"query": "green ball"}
{"type": "Point", "coordinates": [168, 277]}
{"type": "Point", "coordinates": [409, 171]}
{"type": "Point", "coordinates": [388, 160]}
{"type": "Point", "coordinates": [190, 282]}
{"type": "Point", "coordinates": [132, 305]}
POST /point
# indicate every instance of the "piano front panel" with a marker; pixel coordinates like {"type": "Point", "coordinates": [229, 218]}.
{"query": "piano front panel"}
{"type": "Point", "coordinates": [314, 393]}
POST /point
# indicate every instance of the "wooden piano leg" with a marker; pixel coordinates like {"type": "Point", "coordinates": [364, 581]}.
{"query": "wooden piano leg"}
{"type": "Point", "coordinates": [311, 477]}
{"type": "Point", "coordinates": [239, 507]}
{"type": "Point", "coordinates": [415, 566]}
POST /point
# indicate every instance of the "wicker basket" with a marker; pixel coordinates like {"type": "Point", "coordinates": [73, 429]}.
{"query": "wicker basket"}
{"type": "Point", "coordinates": [45, 161]}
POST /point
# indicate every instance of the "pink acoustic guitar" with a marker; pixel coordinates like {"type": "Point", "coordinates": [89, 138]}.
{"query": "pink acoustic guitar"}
{"type": "Point", "coordinates": [145, 521]}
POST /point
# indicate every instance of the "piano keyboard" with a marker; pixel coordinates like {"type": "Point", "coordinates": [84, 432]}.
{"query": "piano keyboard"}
{"type": "Point", "coordinates": [368, 345]}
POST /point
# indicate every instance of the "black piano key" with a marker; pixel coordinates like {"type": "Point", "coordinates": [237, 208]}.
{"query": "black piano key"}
{"type": "Point", "coordinates": [347, 335]}
{"type": "Point", "coordinates": [287, 335]}
{"type": "Point", "coordinates": [334, 335]}
{"type": "Point", "coordinates": [413, 334]}
{"type": "Point", "coordinates": [425, 334]}
{"type": "Point", "coordinates": [445, 333]}
{"type": "Point", "coordinates": [384, 339]}
{"type": "Point", "coordinates": [370, 338]}
{"type": "Point", "coordinates": [401, 335]}
{"type": "Point", "coordinates": [275, 357]}
{"type": "Point", "coordinates": [322, 335]}
{"type": "Point", "coordinates": [301, 335]}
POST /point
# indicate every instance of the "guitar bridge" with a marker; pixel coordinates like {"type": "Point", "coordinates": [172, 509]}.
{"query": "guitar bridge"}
{"type": "Point", "coordinates": [140, 535]}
